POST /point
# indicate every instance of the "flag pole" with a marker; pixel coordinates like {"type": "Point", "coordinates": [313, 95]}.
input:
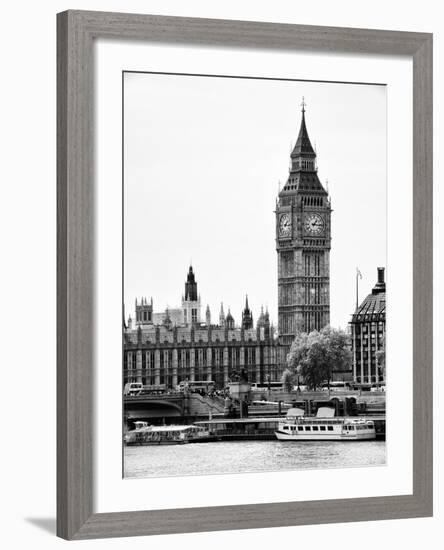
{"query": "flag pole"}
{"type": "Point", "coordinates": [357, 292]}
{"type": "Point", "coordinates": [358, 276]}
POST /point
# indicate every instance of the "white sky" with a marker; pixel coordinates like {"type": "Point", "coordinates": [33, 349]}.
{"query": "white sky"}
{"type": "Point", "coordinates": [203, 156]}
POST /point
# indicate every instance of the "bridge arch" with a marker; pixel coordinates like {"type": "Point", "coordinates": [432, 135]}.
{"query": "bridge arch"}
{"type": "Point", "coordinates": [166, 404]}
{"type": "Point", "coordinates": [150, 406]}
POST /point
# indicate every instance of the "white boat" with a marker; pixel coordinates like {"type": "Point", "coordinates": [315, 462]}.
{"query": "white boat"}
{"type": "Point", "coordinates": [324, 427]}
{"type": "Point", "coordinates": [144, 434]}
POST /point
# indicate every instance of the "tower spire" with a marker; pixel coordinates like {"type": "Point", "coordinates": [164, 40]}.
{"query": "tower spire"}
{"type": "Point", "coordinates": [191, 286]}
{"type": "Point", "coordinates": [303, 146]}
{"type": "Point", "coordinates": [247, 316]}
{"type": "Point", "coordinates": [303, 176]}
{"type": "Point", "coordinates": [221, 315]}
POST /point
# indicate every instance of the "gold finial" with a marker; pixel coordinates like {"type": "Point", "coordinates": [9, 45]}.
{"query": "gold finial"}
{"type": "Point", "coordinates": [303, 104]}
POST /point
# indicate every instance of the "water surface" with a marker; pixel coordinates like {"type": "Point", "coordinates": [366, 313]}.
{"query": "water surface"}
{"type": "Point", "coordinates": [228, 457]}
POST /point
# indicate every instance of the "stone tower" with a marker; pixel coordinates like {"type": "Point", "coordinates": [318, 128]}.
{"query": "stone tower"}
{"type": "Point", "coordinates": [144, 312]}
{"type": "Point", "coordinates": [303, 240]}
{"type": "Point", "coordinates": [191, 300]}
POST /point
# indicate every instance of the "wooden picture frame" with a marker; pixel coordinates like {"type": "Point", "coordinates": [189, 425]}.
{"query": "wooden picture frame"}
{"type": "Point", "coordinates": [76, 32]}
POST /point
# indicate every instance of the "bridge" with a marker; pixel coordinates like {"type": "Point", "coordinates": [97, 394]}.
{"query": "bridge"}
{"type": "Point", "coordinates": [195, 406]}
{"type": "Point", "coordinates": [172, 405]}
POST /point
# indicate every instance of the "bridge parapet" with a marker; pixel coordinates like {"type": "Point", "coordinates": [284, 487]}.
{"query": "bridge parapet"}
{"type": "Point", "coordinates": [175, 401]}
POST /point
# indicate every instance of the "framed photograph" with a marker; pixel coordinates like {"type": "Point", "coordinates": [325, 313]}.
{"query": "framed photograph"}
{"type": "Point", "coordinates": [244, 275]}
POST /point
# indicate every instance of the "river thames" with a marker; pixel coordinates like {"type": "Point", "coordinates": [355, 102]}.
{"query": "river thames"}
{"type": "Point", "coordinates": [228, 457]}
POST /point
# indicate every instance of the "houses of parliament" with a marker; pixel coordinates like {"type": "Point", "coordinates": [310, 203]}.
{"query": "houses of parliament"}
{"type": "Point", "coordinates": [181, 344]}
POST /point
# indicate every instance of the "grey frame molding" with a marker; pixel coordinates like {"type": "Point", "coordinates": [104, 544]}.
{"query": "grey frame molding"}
{"type": "Point", "coordinates": [76, 32]}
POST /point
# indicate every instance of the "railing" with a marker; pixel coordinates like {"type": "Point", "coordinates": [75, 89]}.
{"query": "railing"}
{"type": "Point", "coordinates": [260, 431]}
{"type": "Point", "coordinates": [156, 396]}
{"type": "Point", "coordinates": [313, 420]}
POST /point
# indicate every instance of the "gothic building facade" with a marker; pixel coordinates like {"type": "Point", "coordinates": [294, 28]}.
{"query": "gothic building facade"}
{"type": "Point", "coordinates": [177, 344]}
{"type": "Point", "coordinates": [303, 241]}
{"type": "Point", "coordinates": [190, 349]}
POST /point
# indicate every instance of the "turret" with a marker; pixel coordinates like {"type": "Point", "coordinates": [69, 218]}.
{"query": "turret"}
{"type": "Point", "coordinates": [229, 321]}
{"type": "Point", "coordinates": [144, 312]}
{"type": "Point", "coordinates": [247, 316]}
{"type": "Point", "coordinates": [261, 320]}
{"type": "Point", "coordinates": [266, 318]}
{"type": "Point", "coordinates": [167, 320]}
{"type": "Point", "coordinates": [221, 315]}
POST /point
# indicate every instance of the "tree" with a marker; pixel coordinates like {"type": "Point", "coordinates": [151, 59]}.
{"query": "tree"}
{"type": "Point", "coordinates": [317, 355]}
{"type": "Point", "coordinates": [287, 380]}
{"type": "Point", "coordinates": [380, 358]}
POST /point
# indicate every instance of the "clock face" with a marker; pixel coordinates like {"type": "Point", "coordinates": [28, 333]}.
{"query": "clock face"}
{"type": "Point", "coordinates": [285, 225]}
{"type": "Point", "coordinates": [314, 224]}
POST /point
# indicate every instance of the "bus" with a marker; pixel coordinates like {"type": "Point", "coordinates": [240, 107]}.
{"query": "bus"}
{"type": "Point", "coordinates": [137, 388]}
{"type": "Point", "coordinates": [336, 386]}
{"type": "Point", "coordinates": [265, 386]}
{"type": "Point", "coordinates": [132, 388]}
{"type": "Point", "coordinates": [197, 386]}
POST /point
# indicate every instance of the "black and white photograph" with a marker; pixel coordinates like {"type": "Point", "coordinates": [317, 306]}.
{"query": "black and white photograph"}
{"type": "Point", "coordinates": [254, 274]}
{"type": "Point", "coordinates": [204, 206]}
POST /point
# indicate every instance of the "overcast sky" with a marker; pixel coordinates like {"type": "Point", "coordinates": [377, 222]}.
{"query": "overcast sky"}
{"type": "Point", "coordinates": [203, 157]}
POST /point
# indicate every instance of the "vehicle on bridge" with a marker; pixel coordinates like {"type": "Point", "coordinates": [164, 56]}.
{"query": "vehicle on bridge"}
{"type": "Point", "coordinates": [137, 388]}
{"type": "Point", "coordinates": [332, 386]}
{"type": "Point", "coordinates": [197, 386]}
{"type": "Point", "coordinates": [265, 386]}
{"type": "Point", "coordinates": [132, 388]}
{"type": "Point", "coordinates": [144, 434]}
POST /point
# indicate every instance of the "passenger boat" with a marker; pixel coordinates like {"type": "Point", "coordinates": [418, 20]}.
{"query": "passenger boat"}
{"type": "Point", "coordinates": [324, 427]}
{"type": "Point", "coordinates": [144, 434]}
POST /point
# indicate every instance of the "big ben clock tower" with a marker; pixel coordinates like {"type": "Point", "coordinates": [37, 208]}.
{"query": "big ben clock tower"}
{"type": "Point", "coordinates": [303, 241]}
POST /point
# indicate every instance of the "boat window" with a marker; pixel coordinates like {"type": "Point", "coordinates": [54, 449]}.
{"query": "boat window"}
{"type": "Point", "coordinates": [330, 428]}
{"type": "Point", "coordinates": [351, 427]}
{"type": "Point", "coordinates": [300, 428]}
{"type": "Point", "coordinates": [322, 428]}
{"type": "Point", "coordinates": [315, 428]}
{"type": "Point", "coordinates": [307, 428]}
